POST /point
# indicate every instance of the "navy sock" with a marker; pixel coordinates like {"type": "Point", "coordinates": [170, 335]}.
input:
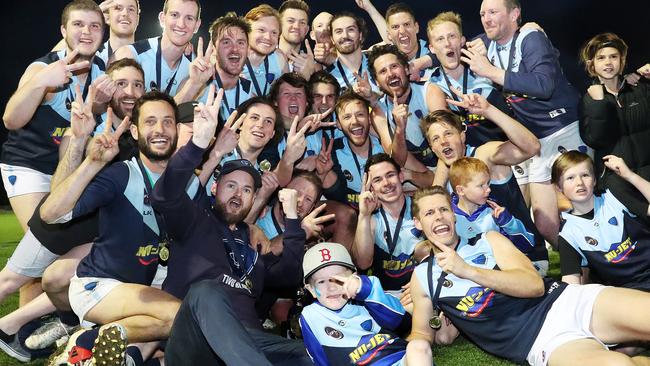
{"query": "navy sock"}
{"type": "Point", "coordinates": [68, 317]}
{"type": "Point", "coordinates": [7, 338]}
{"type": "Point", "coordinates": [87, 339]}
{"type": "Point", "coordinates": [135, 354]}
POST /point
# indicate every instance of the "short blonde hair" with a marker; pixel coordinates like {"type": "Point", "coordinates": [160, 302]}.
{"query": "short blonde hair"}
{"type": "Point", "coordinates": [566, 161]}
{"type": "Point", "coordinates": [426, 192]}
{"type": "Point", "coordinates": [464, 169]}
{"type": "Point", "coordinates": [447, 16]}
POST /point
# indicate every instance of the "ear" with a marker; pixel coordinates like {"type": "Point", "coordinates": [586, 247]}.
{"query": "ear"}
{"type": "Point", "coordinates": [417, 223]}
{"type": "Point", "coordinates": [161, 19]}
{"type": "Point", "coordinates": [196, 27]}
{"type": "Point", "coordinates": [63, 31]}
{"type": "Point", "coordinates": [514, 14]}
{"type": "Point", "coordinates": [463, 40]}
{"type": "Point", "coordinates": [460, 190]}
{"type": "Point", "coordinates": [311, 290]}
{"type": "Point", "coordinates": [417, 28]}
{"type": "Point", "coordinates": [312, 35]}
{"type": "Point", "coordinates": [213, 189]}
{"type": "Point", "coordinates": [401, 176]}
{"type": "Point", "coordinates": [463, 137]}
{"type": "Point", "coordinates": [134, 131]}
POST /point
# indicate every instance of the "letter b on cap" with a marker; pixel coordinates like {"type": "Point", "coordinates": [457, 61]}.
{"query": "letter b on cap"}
{"type": "Point", "coordinates": [325, 255]}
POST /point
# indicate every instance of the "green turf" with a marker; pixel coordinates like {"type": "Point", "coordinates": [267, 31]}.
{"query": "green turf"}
{"type": "Point", "coordinates": [461, 353]}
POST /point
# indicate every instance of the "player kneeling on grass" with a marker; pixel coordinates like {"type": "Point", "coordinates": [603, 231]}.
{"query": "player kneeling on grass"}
{"type": "Point", "coordinates": [353, 321]}
{"type": "Point", "coordinates": [600, 232]}
{"type": "Point", "coordinates": [491, 292]}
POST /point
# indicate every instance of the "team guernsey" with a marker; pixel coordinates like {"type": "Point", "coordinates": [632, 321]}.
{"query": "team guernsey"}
{"type": "Point", "coordinates": [482, 221]}
{"type": "Point", "coordinates": [479, 129]}
{"type": "Point", "coordinates": [263, 75]}
{"type": "Point", "coordinates": [348, 167]}
{"type": "Point", "coordinates": [507, 193]}
{"type": "Point", "coordinates": [534, 85]}
{"type": "Point", "coordinates": [499, 324]}
{"type": "Point", "coordinates": [416, 142]}
{"type": "Point", "coordinates": [269, 224]}
{"type": "Point", "coordinates": [394, 268]}
{"type": "Point", "coordinates": [613, 243]}
{"type": "Point", "coordinates": [345, 76]}
{"type": "Point", "coordinates": [423, 50]}
{"type": "Point", "coordinates": [105, 52]}
{"type": "Point", "coordinates": [157, 73]}
{"type": "Point", "coordinates": [360, 333]}
{"type": "Point", "coordinates": [36, 145]}
{"type": "Point", "coordinates": [232, 97]}
{"type": "Point", "coordinates": [129, 235]}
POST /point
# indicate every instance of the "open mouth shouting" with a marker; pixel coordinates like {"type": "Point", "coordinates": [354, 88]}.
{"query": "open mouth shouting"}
{"type": "Point", "coordinates": [442, 229]}
{"type": "Point", "coordinates": [234, 204]}
{"type": "Point", "coordinates": [293, 109]}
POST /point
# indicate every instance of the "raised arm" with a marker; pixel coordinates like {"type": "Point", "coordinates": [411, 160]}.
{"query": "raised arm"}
{"type": "Point", "coordinates": [377, 18]}
{"type": "Point", "coordinates": [620, 168]}
{"type": "Point", "coordinates": [363, 247]}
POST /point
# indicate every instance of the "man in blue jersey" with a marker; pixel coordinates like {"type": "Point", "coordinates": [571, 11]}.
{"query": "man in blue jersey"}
{"type": "Point", "coordinates": [112, 283]}
{"type": "Point", "coordinates": [385, 238]}
{"type": "Point", "coordinates": [491, 292]}
{"type": "Point", "coordinates": [526, 65]}
{"type": "Point", "coordinates": [163, 58]}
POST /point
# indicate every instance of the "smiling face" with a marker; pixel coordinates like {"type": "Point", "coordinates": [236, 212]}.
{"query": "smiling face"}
{"type": "Point", "coordinates": [607, 63]}
{"type": "Point", "coordinates": [156, 130]}
{"type": "Point", "coordinates": [83, 31]}
{"type": "Point", "coordinates": [436, 219]}
{"type": "Point", "coordinates": [295, 26]}
{"type": "Point", "coordinates": [446, 41]}
{"type": "Point", "coordinates": [498, 22]}
{"type": "Point", "coordinates": [263, 38]}
{"type": "Point", "coordinates": [130, 86]}
{"type": "Point", "coordinates": [477, 190]}
{"type": "Point", "coordinates": [258, 128]}
{"type": "Point", "coordinates": [234, 194]}
{"type": "Point", "coordinates": [324, 97]}
{"type": "Point", "coordinates": [180, 22]}
{"type": "Point", "coordinates": [292, 102]}
{"type": "Point", "coordinates": [232, 49]}
{"type": "Point", "coordinates": [346, 35]}
{"type": "Point", "coordinates": [577, 183]}
{"type": "Point", "coordinates": [307, 195]}
{"type": "Point", "coordinates": [320, 28]}
{"type": "Point", "coordinates": [391, 75]}
{"type": "Point", "coordinates": [123, 17]}
{"type": "Point", "coordinates": [385, 181]}
{"type": "Point", "coordinates": [446, 142]}
{"type": "Point", "coordinates": [354, 121]}
{"type": "Point", "coordinates": [328, 293]}
{"type": "Point", "coordinates": [403, 31]}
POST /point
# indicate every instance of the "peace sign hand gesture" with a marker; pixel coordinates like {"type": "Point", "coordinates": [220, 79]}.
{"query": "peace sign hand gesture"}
{"type": "Point", "coordinates": [312, 224]}
{"type": "Point", "coordinates": [296, 142]}
{"type": "Point", "coordinates": [473, 103]}
{"type": "Point", "coordinates": [60, 72]}
{"type": "Point", "coordinates": [324, 163]}
{"type": "Point", "coordinates": [104, 147]}
{"type": "Point", "coordinates": [316, 121]}
{"type": "Point", "coordinates": [362, 85]}
{"type": "Point", "coordinates": [368, 202]}
{"type": "Point", "coordinates": [201, 68]}
{"type": "Point", "coordinates": [351, 285]}
{"type": "Point", "coordinates": [206, 118]}
{"type": "Point", "coordinates": [82, 120]}
{"type": "Point", "coordinates": [228, 137]}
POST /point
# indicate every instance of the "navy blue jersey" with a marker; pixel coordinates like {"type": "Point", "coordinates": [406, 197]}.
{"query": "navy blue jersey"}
{"type": "Point", "coordinates": [416, 142]}
{"type": "Point", "coordinates": [36, 145]}
{"type": "Point", "coordinates": [157, 73]}
{"type": "Point", "coordinates": [348, 167]}
{"type": "Point", "coordinates": [540, 95]}
{"type": "Point", "coordinates": [612, 243]}
{"type": "Point", "coordinates": [360, 333]}
{"type": "Point", "coordinates": [129, 236]}
{"type": "Point", "coordinates": [499, 324]}
{"type": "Point", "coordinates": [479, 129]}
{"type": "Point", "coordinates": [394, 269]}
{"type": "Point", "coordinates": [507, 193]}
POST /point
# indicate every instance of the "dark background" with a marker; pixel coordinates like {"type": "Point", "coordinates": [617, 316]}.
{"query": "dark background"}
{"type": "Point", "coordinates": [31, 27]}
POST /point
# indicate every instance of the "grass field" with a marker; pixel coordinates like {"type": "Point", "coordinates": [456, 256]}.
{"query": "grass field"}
{"type": "Point", "coordinates": [461, 353]}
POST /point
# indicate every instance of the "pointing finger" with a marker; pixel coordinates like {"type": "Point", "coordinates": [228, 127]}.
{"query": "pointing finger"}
{"type": "Point", "coordinates": [308, 47]}
{"type": "Point", "coordinates": [238, 122]}
{"type": "Point", "coordinates": [122, 127]}
{"type": "Point", "coordinates": [77, 66]}
{"type": "Point", "coordinates": [326, 218]}
{"type": "Point", "coordinates": [199, 51]}
{"type": "Point", "coordinates": [71, 56]}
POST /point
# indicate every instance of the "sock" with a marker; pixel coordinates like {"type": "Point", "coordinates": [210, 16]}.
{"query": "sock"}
{"type": "Point", "coordinates": [7, 338]}
{"type": "Point", "coordinates": [68, 318]}
{"type": "Point", "coordinates": [87, 339]}
{"type": "Point", "coordinates": [135, 354]}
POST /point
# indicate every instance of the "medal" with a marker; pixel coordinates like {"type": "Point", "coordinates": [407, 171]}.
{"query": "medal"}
{"type": "Point", "coordinates": [265, 165]}
{"type": "Point", "coordinates": [163, 251]}
{"type": "Point", "coordinates": [435, 323]}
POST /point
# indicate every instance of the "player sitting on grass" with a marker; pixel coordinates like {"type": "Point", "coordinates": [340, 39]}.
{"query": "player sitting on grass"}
{"type": "Point", "coordinates": [353, 321]}
{"type": "Point", "coordinates": [600, 232]}
{"type": "Point", "coordinates": [475, 212]}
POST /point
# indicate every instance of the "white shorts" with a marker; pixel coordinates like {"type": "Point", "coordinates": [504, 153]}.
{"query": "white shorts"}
{"type": "Point", "coordinates": [541, 267]}
{"type": "Point", "coordinates": [86, 292]}
{"type": "Point", "coordinates": [569, 319]}
{"type": "Point", "coordinates": [521, 171]}
{"type": "Point", "coordinates": [566, 139]}
{"type": "Point", "coordinates": [30, 258]}
{"type": "Point", "coordinates": [19, 180]}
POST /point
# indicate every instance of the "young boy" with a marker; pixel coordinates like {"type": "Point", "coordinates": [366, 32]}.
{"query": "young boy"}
{"type": "Point", "coordinates": [475, 212]}
{"type": "Point", "coordinates": [353, 321]}
{"type": "Point", "coordinates": [600, 232]}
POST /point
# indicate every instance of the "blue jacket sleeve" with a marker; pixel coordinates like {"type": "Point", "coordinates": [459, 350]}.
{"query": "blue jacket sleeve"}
{"type": "Point", "coordinates": [385, 309]}
{"type": "Point", "coordinates": [285, 270]}
{"type": "Point", "coordinates": [314, 348]}
{"type": "Point", "coordinates": [169, 197]}
{"type": "Point", "coordinates": [516, 231]}
{"type": "Point", "coordinates": [540, 65]}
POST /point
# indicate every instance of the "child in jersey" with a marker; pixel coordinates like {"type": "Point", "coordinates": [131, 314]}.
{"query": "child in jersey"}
{"type": "Point", "coordinates": [600, 232]}
{"type": "Point", "coordinates": [353, 321]}
{"type": "Point", "coordinates": [475, 212]}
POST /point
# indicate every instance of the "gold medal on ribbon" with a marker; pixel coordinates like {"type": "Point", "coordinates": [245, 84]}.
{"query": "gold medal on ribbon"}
{"type": "Point", "coordinates": [163, 251]}
{"type": "Point", "coordinates": [265, 165]}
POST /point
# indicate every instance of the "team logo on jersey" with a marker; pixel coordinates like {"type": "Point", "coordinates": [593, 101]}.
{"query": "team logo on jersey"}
{"type": "Point", "coordinates": [366, 325]}
{"type": "Point", "coordinates": [347, 175]}
{"type": "Point", "coordinates": [334, 333]}
{"type": "Point", "coordinates": [399, 266]}
{"type": "Point", "coordinates": [447, 283]}
{"type": "Point", "coordinates": [415, 232]}
{"type": "Point", "coordinates": [57, 134]}
{"type": "Point", "coordinates": [582, 149]}
{"type": "Point", "coordinates": [613, 221]}
{"type": "Point", "coordinates": [369, 348]}
{"type": "Point", "coordinates": [418, 113]}
{"type": "Point", "coordinates": [342, 323]}
{"type": "Point", "coordinates": [147, 254]}
{"type": "Point", "coordinates": [591, 241]}
{"type": "Point", "coordinates": [476, 301]}
{"type": "Point", "coordinates": [481, 259]}
{"type": "Point", "coordinates": [619, 252]}
{"type": "Point", "coordinates": [561, 149]}
{"type": "Point", "coordinates": [519, 169]}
